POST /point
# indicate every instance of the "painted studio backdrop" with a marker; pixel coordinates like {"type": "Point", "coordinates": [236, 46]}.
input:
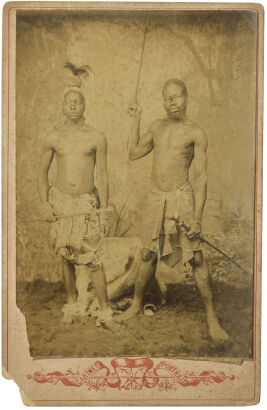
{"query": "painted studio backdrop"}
{"type": "Point", "coordinates": [213, 52]}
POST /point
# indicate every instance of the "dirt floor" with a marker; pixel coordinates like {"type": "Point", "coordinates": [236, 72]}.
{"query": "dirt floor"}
{"type": "Point", "coordinates": [177, 329]}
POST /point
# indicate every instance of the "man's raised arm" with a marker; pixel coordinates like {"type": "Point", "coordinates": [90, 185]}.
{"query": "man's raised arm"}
{"type": "Point", "coordinates": [46, 159]}
{"type": "Point", "coordinates": [139, 147]}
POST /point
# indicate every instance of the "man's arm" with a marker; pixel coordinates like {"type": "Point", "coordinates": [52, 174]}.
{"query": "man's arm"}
{"type": "Point", "coordinates": [200, 181]}
{"type": "Point", "coordinates": [101, 171]}
{"type": "Point", "coordinates": [139, 147]}
{"type": "Point", "coordinates": [46, 159]}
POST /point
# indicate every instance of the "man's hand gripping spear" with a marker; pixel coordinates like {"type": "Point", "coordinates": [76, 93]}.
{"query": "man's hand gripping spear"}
{"type": "Point", "coordinates": [197, 235]}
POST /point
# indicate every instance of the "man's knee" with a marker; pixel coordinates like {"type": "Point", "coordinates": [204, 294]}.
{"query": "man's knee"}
{"type": "Point", "coordinates": [148, 256]}
{"type": "Point", "coordinates": [67, 266]}
{"type": "Point", "coordinates": [198, 259]}
{"type": "Point", "coordinates": [65, 261]}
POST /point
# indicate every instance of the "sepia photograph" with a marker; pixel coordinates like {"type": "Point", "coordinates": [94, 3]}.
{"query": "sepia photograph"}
{"type": "Point", "coordinates": [137, 185]}
{"type": "Point", "coordinates": [135, 182]}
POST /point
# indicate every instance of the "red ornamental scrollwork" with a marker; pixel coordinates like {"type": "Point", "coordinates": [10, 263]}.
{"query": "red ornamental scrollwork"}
{"type": "Point", "coordinates": [131, 374]}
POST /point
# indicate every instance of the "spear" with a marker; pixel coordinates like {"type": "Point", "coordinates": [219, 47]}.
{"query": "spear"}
{"type": "Point", "coordinates": [211, 245]}
{"type": "Point", "coordinates": [98, 212]}
{"type": "Point", "coordinates": [136, 94]}
{"type": "Point", "coordinates": [135, 101]}
{"type": "Point", "coordinates": [140, 66]}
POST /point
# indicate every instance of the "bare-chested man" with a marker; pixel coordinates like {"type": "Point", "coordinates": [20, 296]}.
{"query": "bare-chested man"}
{"type": "Point", "coordinates": [175, 141]}
{"type": "Point", "coordinates": [78, 149]}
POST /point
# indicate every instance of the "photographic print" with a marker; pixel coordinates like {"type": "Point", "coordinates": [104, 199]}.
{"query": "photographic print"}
{"type": "Point", "coordinates": [132, 186]}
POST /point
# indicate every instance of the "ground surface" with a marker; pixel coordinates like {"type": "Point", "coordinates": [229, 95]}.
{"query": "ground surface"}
{"type": "Point", "coordinates": [177, 330]}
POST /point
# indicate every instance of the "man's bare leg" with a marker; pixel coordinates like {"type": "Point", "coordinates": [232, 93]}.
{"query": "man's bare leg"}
{"type": "Point", "coordinates": [146, 273]}
{"type": "Point", "coordinates": [202, 279]}
{"type": "Point", "coordinates": [83, 275]}
{"type": "Point", "coordinates": [68, 271]}
{"type": "Point", "coordinates": [100, 284]}
{"type": "Point", "coordinates": [166, 263]}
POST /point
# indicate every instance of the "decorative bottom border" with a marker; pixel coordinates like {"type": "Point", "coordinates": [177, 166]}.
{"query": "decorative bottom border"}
{"type": "Point", "coordinates": [131, 374]}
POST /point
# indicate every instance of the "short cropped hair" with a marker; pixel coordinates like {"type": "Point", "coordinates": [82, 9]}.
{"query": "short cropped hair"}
{"type": "Point", "coordinates": [175, 81]}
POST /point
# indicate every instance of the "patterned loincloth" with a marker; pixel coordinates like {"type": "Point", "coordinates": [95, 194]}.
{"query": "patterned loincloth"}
{"type": "Point", "coordinates": [78, 238]}
{"type": "Point", "coordinates": [160, 233]}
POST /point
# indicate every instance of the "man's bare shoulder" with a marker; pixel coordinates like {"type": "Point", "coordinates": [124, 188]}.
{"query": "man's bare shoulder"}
{"type": "Point", "coordinates": [201, 138]}
{"type": "Point", "coordinates": [50, 138]}
{"type": "Point", "coordinates": [97, 135]}
{"type": "Point", "coordinates": [196, 132]}
{"type": "Point", "coordinates": [156, 124]}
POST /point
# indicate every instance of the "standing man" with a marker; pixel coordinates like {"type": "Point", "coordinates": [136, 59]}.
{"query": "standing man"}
{"type": "Point", "coordinates": [78, 149]}
{"type": "Point", "coordinates": [171, 203]}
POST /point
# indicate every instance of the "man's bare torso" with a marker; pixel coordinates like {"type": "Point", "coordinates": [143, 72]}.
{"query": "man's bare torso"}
{"type": "Point", "coordinates": [75, 149]}
{"type": "Point", "coordinates": [173, 153]}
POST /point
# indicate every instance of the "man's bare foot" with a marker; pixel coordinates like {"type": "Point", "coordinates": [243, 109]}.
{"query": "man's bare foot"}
{"type": "Point", "coordinates": [129, 313]}
{"type": "Point", "coordinates": [67, 318]}
{"type": "Point", "coordinates": [104, 316]}
{"type": "Point", "coordinates": [217, 333]}
{"type": "Point", "coordinates": [105, 319]}
{"type": "Point", "coordinates": [68, 313]}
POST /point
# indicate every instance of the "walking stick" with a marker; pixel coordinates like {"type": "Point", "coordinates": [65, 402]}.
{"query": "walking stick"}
{"type": "Point", "coordinates": [215, 248]}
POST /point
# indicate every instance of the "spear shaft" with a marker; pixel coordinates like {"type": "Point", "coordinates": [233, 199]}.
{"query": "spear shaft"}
{"type": "Point", "coordinates": [60, 217]}
{"type": "Point", "coordinates": [211, 245]}
{"type": "Point", "coordinates": [140, 66]}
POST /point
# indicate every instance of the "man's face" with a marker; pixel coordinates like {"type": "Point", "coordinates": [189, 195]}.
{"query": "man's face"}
{"type": "Point", "coordinates": [174, 101]}
{"type": "Point", "coordinates": [73, 105]}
